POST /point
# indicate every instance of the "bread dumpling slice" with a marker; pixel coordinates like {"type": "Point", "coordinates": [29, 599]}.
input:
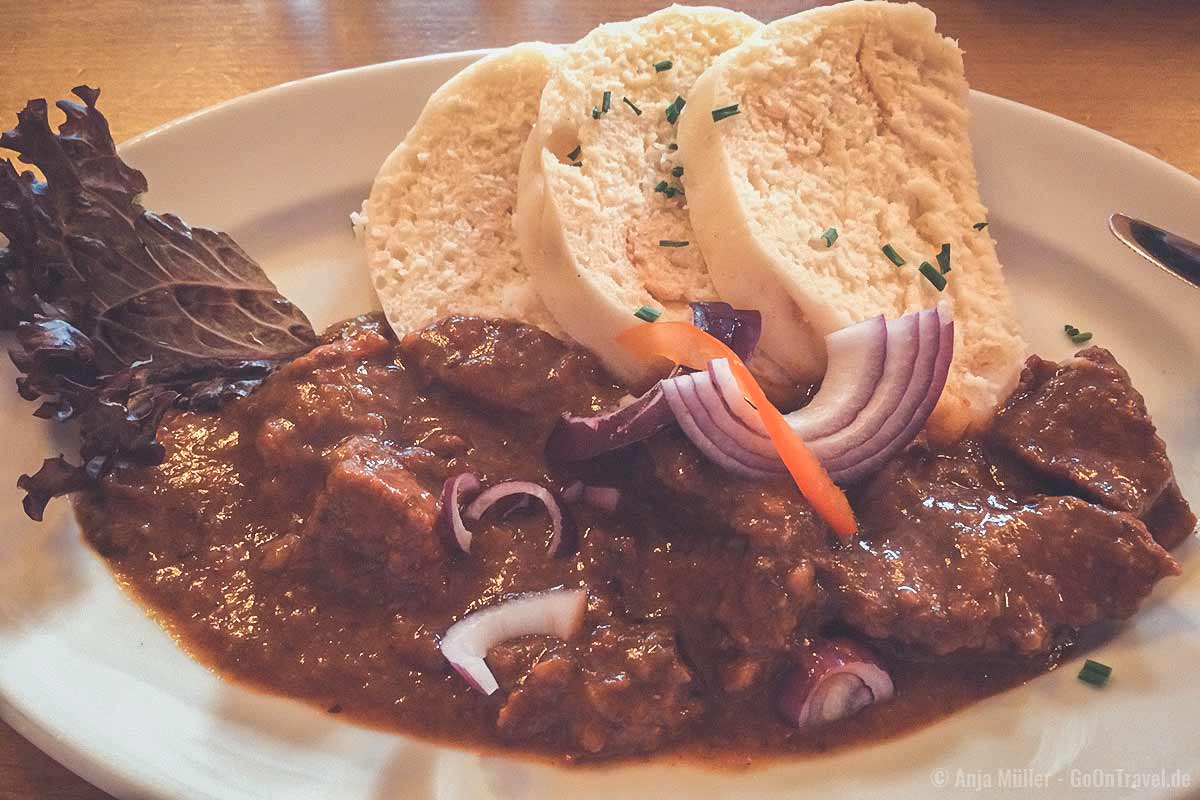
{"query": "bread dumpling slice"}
{"type": "Point", "coordinates": [851, 117]}
{"type": "Point", "coordinates": [603, 227]}
{"type": "Point", "coordinates": [438, 229]}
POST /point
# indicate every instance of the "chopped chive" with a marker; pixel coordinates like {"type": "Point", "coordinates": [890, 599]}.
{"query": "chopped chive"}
{"type": "Point", "coordinates": [673, 146]}
{"type": "Point", "coordinates": [1095, 673]}
{"type": "Point", "coordinates": [606, 103]}
{"type": "Point", "coordinates": [979, 226]}
{"type": "Point", "coordinates": [629, 103]}
{"type": "Point", "coordinates": [576, 163]}
{"type": "Point", "coordinates": [830, 236]}
{"type": "Point", "coordinates": [574, 154]}
{"type": "Point", "coordinates": [673, 110]}
{"type": "Point", "coordinates": [663, 66]}
{"type": "Point", "coordinates": [943, 258]}
{"type": "Point", "coordinates": [647, 313]}
{"type": "Point", "coordinates": [1070, 330]}
{"type": "Point", "coordinates": [677, 172]}
{"type": "Point", "coordinates": [670, 191]}
{"type": "Point", "coordinates": [893, 256]}
{"type": "Point", "coordinates": [661, 187]}
{"type": "Point", "coordinates": [933, 276]}
{"type": "Point", "coordinates": [1080, 338]}
{"type": "Point", "coordinates": [595, 112]}
{"type": "Point", "coordinates": [719, 114]}
{"type": "Point", "coordinates": [671, 243]}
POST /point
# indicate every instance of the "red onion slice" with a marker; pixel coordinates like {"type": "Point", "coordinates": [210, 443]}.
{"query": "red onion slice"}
{"type": "Point", "coordinates": [856, 358]}
{"type": "Point", "coordinates": [864, 463]}
{"type": "Point", "coordinates": [701, 439]}
{"type": "Point", "coordinates": [454, 532]}
{"type": "Point", "coordinates": [578, 438]}
{"type": "Point", "coordinates": [555, 612]}
{"type": "Point", "coordinates": [716, 408]}
{"type": "Point", "coordinates": [740, 329]}
{"type": "Point", "coordinates": [690, 390]}
{"type": "Point", "coordinates": [834, 680]}
{"type": "Point", "coordinates": [903, 348]}
{"type": "Point", "coordinates": [565, 535]}
{"type": "Point", "coordinates": [911, 395]}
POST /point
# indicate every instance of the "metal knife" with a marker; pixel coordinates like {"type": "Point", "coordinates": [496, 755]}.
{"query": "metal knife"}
{"type": "Point", "coordinates": [1170, 251]}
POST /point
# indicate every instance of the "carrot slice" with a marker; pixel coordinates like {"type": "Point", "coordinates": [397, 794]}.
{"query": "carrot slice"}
{"type": "Point", "coordinates": [684, 343]}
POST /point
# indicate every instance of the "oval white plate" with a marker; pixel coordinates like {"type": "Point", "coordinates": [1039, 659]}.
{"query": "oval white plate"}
{"type": "Point", "coordinates": [95, 683]}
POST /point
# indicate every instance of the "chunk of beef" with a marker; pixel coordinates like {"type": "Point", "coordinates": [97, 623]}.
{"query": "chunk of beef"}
{"type": "Point", "coordinates": [318, 399]}
{"type": "Point", "coordinates": [1082, 423]}
{"type": "Point", "coordinates": [623, 690]}
{"type": "Point", "coordinates": [507, 365]}
{"type": "Point", "coordinates": [374, 511]}
{"type": "Point", "coordinates": [948, 565]}
{"type": "Point", "coordinates": [1170, 520]}
{"type": "Point", "coordinates": [772, 514]}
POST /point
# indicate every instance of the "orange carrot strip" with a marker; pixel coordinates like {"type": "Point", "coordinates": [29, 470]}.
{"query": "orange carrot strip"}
{"type": "Point", "coordinates": [684, 343]}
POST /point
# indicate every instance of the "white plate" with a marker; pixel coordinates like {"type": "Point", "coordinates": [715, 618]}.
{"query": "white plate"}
{"type": "Point", "coordinates": [96, 684]}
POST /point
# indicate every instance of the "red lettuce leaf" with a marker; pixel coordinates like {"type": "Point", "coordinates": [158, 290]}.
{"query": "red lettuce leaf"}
{"type": "Point", "coordinates": [121, 314]}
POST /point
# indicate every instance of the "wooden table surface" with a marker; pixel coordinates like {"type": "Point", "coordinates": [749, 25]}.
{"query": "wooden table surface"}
{"type": "Point", "coordinates": [1129, 69]}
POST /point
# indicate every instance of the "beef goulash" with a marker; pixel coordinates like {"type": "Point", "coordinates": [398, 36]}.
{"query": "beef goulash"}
{"type": "Point", "coordinates": [449, 520]}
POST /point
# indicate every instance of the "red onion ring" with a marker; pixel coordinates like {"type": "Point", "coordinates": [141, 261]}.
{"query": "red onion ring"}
{"type": "Point", "coordinates": [565, 535]}
{"type": "Point", "coordinates": [700, 438]}
{"type": "Point", "coordinates": [578, 438]}
{"type": "Point", "coordinates": [555, 612]}
{"type": "Point", "coordinates": [834, 680]}
{"type": "Point", "coordinates": [856, 357]}
{"type": "Point", "coordinates": [454, 533]}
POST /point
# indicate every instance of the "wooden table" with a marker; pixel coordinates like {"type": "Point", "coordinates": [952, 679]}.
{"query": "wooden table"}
{"type": "Point", "coordinates": [1132, 72]}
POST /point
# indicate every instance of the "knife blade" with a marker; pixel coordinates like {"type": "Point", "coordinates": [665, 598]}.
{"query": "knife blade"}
{"type": "Point", "coordinates": [1167, 250]}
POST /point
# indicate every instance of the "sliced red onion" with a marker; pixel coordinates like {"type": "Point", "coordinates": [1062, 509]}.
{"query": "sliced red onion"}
{"type": "Point", "coordinates": [690, 390]}
{"type": "Point", "coordinates": [555, 612]}
{"type": "Point", "coordinates": [834, 680]}
{"type": "Point", "coordinates": [876, 453]}
{"type": "Point", "coordinates": [454, 532]}
{"type": "Point", "coordinates": [700, 437]}
{"type": "Point", "coordinates": [740, 329]}
{"type": "Point", "coordinates": [577, 438]}
{"type": "Point", "coordinates": [856, 357]}
{"type": "Point", "coordinates": [605, 498]}
{"type": "Point", "coordinates": [907, 359]}
{"type": "Point", "coordinates": [903, 348]}
{"type": "Point", "coordinates": [717, 408]}
{"type": "Point", "coordinates": [565, 536]}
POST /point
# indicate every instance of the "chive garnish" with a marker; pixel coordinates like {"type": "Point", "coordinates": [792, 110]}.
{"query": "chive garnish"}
{"type": "Point", "coordinates": [933, 276]}
{"type": "Point", "coordinates": [673, 110]}
{"type": "Point", "coordinates": [943, 258]}
{"type": "Point", "coordinates": [629, 103]}
{"type": "Point", "coordinates": [1075, 335]}
{"type": "Point", "coordinates": [671, 191]}
{"type": "Point", "coordinates": [830, 236]}
{"type": "Point", "coordinates": [661, 187]}
{"type": "Point", "coordinates": [677, 172]}
{"type": "Point", "coordinates": [606, 103]}
{"type": "Point", "coordinates": [576, 163]}
{"type": "Point", "coordinates": [647, 313]}
{"type": "Point", "coordinates": [671, 243]}
{"type": "Point", "coordinates": [719, 114]}
{"type": "Point", "coordinates": [1095, 673]}
{"type": "Point", "coordinates": [893, 256]}
{"type": "Point", "coordinates": [663, 66]}
{"type": "Point", "coordinates": [595, 112]}
{"type": "Point", "coordinates": [574, 154]}
{"type": "Point", "coordinates": [979, 226]}
{"type": "Point", "coordinates": [673, 146]}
